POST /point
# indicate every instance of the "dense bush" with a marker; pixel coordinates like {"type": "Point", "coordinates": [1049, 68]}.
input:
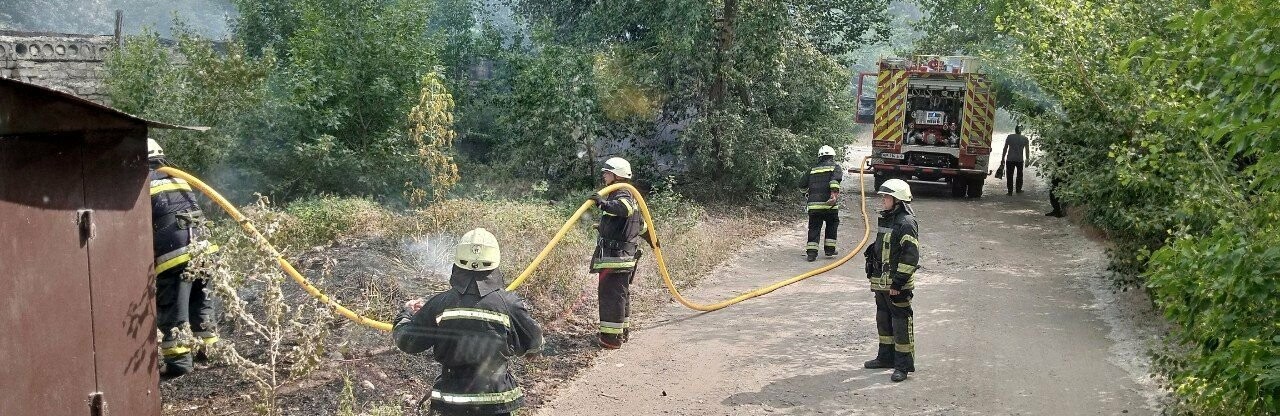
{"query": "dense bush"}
{"type": "Point", "coordinates": [318, 102]}
{"type": "Point", "coordinates": [1161, 124]}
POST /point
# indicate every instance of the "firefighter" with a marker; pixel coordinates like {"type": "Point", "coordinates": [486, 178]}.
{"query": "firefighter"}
{"type": "Point", "coordinates": [179, 234]}
{"type": "Point", "coordinates": [891, 267]}
{"type": "Point", "coordinates": [476, 328]}
{"type": "Point", "coordinates": [620, 230]}
{"type": "Point", "coordinates": [823, 185]}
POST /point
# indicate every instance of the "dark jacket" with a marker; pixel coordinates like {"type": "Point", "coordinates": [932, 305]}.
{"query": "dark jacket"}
{"type": "Point", "coordinates": [621, 229]}
{"type": "Point", "coordinates": [893, 259]}
{"type": "Point", "coordinates": [473, 329]}
{"type": "Point", "coordinates": [821, 181]}
{"type": "Point", "coordinates": [178, 231]}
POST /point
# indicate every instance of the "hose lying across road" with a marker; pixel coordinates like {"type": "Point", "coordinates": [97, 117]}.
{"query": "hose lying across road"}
{"type": "Point", "coordinates": [528, 271]}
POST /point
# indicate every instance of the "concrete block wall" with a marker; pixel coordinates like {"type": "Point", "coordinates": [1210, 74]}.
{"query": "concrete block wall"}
{"type": "Point", "coordinates": [66, 62]}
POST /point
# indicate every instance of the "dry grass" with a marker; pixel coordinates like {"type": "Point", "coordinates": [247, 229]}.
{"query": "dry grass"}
{"type": "Point", "coordinates": [362, 253]}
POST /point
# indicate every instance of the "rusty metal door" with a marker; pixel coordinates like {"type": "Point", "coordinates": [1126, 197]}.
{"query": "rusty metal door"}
{"type": "Point", "coordinates": [120, 269]}
{"type": "Point", "coordinates": [45, 312]}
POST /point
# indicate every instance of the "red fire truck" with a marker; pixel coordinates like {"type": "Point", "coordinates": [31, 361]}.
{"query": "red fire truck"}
{"type": "Point", "coordinates": [932, 121]}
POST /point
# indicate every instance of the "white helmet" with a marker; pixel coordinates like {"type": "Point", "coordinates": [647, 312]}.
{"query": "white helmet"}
{"type": "Point", "coordinates": [826, 151]}
{"type": "Point", "coordinates": [477, 250]}
{"type": "Point", "coordinates": [618, 166]}
{"type": "Point", "coordinates": [154, 149]}
{"type": "Point", "coordinates": [896, 188]}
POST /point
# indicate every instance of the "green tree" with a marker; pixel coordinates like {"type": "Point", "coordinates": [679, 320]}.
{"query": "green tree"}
{"type": "Point", "coordinates": [192, 84]}
{"type": "Point", "coordinates": [336, 121]}
{"type": "Point", "coordinates": [1160, 122]}
{"type": "Point", "coordinates": [742, 80]}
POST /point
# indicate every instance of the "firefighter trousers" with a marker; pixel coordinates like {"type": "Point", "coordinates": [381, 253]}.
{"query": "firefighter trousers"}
{"type": "Point", "coordinates": [816, 220]}
{"type": "Point", "coordinates": [181, 301]}
{"type": "Point", "coordinates": [615, 303]}
{"type": "Point", "coordinates": [896, 330]}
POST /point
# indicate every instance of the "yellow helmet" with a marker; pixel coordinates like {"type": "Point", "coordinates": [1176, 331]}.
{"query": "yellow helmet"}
{"type": "Point", "coordinates": [477, 250]}
{"type": "Point", "coordinates": [619, 166]}
{"type": "Point", "coordinates": [896, 188]}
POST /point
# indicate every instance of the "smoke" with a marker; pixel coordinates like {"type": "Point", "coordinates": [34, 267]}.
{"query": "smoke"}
{"type": "Point", "coordinates": [209, 18]}
{"type": "Point", "coordinates": [431, 255]}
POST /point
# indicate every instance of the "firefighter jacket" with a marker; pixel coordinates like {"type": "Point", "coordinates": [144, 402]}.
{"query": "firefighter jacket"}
{"type": "Point", "coordinates": [893, 259]}
{"type": "Point", "coordinates": [474, 330]}
{"type": "Point", "coordinates": [621, 229]}
{"type": "Point", "coordinates": [177, 223]}
{"type": "Point", "coordinates": [821, 182]}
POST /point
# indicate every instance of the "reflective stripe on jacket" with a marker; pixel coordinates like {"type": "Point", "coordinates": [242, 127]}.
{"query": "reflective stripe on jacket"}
{"type": "Point", "coordinates": [178, 234]}
{"type": "Point", "coordinates": [621, 225]}
{"type": "Point", "coordinates": [820, 182]}
{"type": "Point", "coordinates": [473, 331]}
{"type": "Point", "coordinates": [893, 259]}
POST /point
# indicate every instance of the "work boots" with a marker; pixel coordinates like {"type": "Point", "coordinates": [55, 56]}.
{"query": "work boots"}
{"type": "Point", "coordinates": [832, 253]}
{"type": "Point", "coordinates": [884, 358]}
{"type": "Point", "coordinates": [898, 375]}
{"type": "Point", "coordinates": [610, 341]}
{"type": "Point", "coordinates": [876, 364]}
{"type": "Point", "coordinates": [811, 255]}
{"type": "Point", "coordinates": [176, 366]}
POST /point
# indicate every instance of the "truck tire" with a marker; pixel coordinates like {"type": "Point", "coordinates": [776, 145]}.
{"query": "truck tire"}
{"type": "Point", "coordinates": [975, 186]}
{"type": "Point", "coordinates": [879, 180]}
{"type": "Point", "coordinates": [959, 185]}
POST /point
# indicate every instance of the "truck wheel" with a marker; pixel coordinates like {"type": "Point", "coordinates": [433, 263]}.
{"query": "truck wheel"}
{"type": "Point", "coordinates": [975, 186]}
{"type": "Point", "coordinates": [879, 180]}
{"type": "Point", "coordinates": [958, 186]}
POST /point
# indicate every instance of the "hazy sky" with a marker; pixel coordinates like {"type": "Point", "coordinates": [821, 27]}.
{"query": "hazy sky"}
{"type": "Point", "coordinates": [207, 17]}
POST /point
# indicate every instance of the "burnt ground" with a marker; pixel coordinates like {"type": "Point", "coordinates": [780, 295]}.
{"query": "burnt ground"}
{"type": "Point", "coordinates": [390, 270]}
{"type": "Point", "coordinates": [372, 276]}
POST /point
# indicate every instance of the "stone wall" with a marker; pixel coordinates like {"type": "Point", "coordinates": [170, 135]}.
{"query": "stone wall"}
{"type": "Point", "coordinates": [64, 62]}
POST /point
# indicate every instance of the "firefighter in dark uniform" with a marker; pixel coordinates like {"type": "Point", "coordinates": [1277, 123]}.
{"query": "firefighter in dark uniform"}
{"type": "Point", "coordinates": [891, 267]}
{"type": "Point", "coordinates": [822, 183]}
{"type": "Point", "coordinates": [476, 328]}
{"type": "Point", "coordinates": [179, 235]}
{"type": "Point", "coordinates": [617, 249]}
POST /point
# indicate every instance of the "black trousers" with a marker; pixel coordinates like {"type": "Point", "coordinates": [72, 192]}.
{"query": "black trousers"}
{"type": "Point", "coordinates": [896, 329]}
{"type": "Point", "coordinates": [1053, 195]}
{"type": "Point", "coordinates": [614, 293]}
{"type": "Point", "coordinates": [1013, 169]}
{"type": "Point", "coordinates": [816, 220]}
{"type": "Point", "coordinates": [179, 301]}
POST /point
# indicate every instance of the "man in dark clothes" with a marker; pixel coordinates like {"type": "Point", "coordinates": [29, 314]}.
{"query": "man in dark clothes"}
{"type": "Point", "coordinates": [892, 262]}
{"type": "Point", "coordinates": [179, 235]}
{"type": "Point", "coordinates": [1017, 149]}
{"type": "Point", "coordinates": [822, 185]}
{"type": "Point", "coordinates": [475, 328]}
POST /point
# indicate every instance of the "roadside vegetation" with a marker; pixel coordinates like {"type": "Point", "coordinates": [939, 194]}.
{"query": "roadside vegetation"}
{"type": "Point", "coordinates": [363, 137]}
{"type": "Point", "coordinates": [1159, 120]}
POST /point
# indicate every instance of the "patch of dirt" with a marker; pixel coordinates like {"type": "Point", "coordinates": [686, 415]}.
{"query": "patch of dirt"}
{"type": "Point", "coordinates": [373, 276]}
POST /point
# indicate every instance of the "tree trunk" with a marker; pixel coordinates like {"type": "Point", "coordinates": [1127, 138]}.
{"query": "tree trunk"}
{"type": "Point", "coordinates": [720, 86]}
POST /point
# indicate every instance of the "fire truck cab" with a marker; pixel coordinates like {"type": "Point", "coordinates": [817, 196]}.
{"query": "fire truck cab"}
{"type": "Point", "coordinates": [932, 121]}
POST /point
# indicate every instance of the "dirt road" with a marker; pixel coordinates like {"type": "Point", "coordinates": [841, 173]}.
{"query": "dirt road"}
{"type": "Point", "coordinates": [1012, 317]}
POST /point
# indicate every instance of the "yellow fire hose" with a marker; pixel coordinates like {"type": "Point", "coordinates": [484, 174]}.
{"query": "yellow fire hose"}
{"type": "Point", "coordinates": [266, 245]}
{"type": "Point", "coordinates": [528, 271]}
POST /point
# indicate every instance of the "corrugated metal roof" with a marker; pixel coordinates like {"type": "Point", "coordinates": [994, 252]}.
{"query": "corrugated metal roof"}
{"type": "Point", "coordinates": [12, 109]}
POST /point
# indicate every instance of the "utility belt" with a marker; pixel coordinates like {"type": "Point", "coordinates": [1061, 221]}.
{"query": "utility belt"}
{"type": "Point", "coordinates": [191, 219]}
{"type": "Point", "coordinates": [183, 220]}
